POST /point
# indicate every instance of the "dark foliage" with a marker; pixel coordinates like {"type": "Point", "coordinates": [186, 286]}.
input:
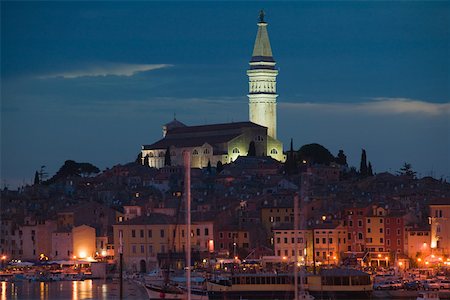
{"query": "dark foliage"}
{"type": "Point", "coordinates": [315, 154]}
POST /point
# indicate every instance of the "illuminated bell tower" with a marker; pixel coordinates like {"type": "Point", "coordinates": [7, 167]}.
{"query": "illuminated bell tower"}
{"type": "Point", "coordinates": [262, 82]}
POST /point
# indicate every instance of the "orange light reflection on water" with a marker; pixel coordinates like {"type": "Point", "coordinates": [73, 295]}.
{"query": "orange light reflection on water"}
{"type": "Point", "coordinates": [3, 290]}
{"type": "Point", "coordinates": [74, 290]}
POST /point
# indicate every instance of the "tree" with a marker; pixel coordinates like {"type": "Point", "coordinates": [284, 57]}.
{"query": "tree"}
{"type": "Point", "coordinates": [73, 169]}
{"type": "Point", "coordinates": [251, 149]}
{"type": "Point", "coordinates": [208, 167]}
{"type": "Point", "coordinates": [363, 164]}
{"type": "Point", "coordinates": [167, 161]}
{"type": "Point", "coordinates": [219, 167]}
{"type": "Point", "coordinates": [341, 158]}
{"type": "Point", "coordinates": [147, 161]}
{"type": "Point", "coordinates": [139, 158]}
{"type": "Point", "coordinates": [369, 170]}
{"type": "Point", "coordinates": [315, 153]}
{"type": "Point", "coordinates": [36, 178]}
{"type": "Point", "coordinates": [407, 170]}
{"type": "Point", "coordinates": [290, 165]}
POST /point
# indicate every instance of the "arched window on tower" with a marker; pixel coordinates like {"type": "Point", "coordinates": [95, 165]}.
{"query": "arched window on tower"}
{"type": "Point", "coordinates": [236, 150]}
{"type": "Point", "coordinates": [150, 154]}
{"type": "Point", "coordinates": [273, 151]}
{"type": "Point", "coordinates": [259, 138]}
{"type": "Point", "coordinates": [206, 151]}
{"type": "Point", "coordinates": [195, 152]}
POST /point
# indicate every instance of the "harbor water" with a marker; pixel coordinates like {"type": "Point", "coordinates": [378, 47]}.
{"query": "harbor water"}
{"type": "Point", "coordinates": [75, 290]}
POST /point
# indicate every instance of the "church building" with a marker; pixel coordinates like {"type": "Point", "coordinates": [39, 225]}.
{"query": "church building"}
{"type": "Point", "coordinates": [226, 142]}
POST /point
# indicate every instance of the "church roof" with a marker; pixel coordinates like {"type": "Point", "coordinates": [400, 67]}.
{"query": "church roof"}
{"type": "Point", "coordinates": [174, 124]}
{"type": "Point", "coordinates": [262, 52]}
{"type": "Point", "coordinates": [191, 136]}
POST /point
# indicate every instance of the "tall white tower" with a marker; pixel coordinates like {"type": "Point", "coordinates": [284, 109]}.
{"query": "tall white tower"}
{"type": "Point", "coordinates": [262, 82]}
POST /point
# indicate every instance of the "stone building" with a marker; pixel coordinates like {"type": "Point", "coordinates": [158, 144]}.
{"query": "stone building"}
{"type": "Point", "coordinates": [226, 142]}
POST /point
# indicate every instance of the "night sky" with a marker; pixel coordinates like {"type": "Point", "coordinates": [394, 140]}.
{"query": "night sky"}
{"type": "Point", "coordinates": [94, 81]}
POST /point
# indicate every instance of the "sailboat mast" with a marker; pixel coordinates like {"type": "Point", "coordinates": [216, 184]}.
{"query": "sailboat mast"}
{"type": "Point", "coordinates": [296, 245]}
{"type": "Point", "coordinates": [187, 189]}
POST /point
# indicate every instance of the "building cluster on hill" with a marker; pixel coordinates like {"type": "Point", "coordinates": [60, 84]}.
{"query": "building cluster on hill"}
{"type": "Point", "coordinates": [376, 220]}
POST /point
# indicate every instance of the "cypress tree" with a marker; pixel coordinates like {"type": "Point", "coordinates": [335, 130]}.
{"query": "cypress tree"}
{"type": "Point", "coordinates": [363, 164]}
{"type": "Point", "coordinates": [251, 149]}
{"type": "Point", "coordinates": [369, 170]}
{"type": "Point", "coordinates": [36, 178]}
{"type": "Point", "coordinates": [167, 161]}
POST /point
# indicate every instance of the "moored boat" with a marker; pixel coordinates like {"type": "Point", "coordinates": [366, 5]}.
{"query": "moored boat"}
{"type": "Point", "coordinates": [334, 284]}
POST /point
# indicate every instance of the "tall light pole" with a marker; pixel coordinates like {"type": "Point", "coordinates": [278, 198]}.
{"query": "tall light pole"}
{"type": "Point", "coordinates": [187, 188]}
{"type": "Point", "coordinates": [296, 246]}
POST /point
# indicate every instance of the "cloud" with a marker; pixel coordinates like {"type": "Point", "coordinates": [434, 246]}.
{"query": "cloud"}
{"type": "Point", "coordinates": [107, 69]}
{"type": "Point", "coordinates": [379, 106]}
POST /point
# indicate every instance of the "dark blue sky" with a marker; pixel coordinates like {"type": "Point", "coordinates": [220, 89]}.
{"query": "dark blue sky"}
{"type": "Point", "coordinates": [94, 81]}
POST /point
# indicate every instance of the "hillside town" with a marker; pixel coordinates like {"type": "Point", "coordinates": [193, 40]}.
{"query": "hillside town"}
{"type": "Point", "coordinates": [244, 211]}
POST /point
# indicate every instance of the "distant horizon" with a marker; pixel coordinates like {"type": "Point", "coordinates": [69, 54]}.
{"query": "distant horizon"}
{"type": "Point", "coordinates": [93, 81]}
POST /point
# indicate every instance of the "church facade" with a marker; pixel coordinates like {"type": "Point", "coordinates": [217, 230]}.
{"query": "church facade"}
{"type": "Point", "coordinates": [226, 142]}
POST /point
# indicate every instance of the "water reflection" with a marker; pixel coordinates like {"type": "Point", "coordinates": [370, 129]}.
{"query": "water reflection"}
{"type": "Point", "coordinates": [76, 290]}
{"type": "Point", "coordinates": [3, 291]}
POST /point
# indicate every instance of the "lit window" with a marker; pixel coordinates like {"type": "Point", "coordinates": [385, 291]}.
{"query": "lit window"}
{"type": "Point", "coordinates": [273, 151]}
{"type": "Point", "coordinates": [235, 150]}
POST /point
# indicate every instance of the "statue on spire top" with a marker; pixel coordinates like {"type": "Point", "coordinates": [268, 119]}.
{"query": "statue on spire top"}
{"type": "Point", "coordinates": [261, 16]}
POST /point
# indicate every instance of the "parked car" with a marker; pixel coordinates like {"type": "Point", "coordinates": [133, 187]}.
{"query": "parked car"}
{"type": "Point", "coordinates": [387, 285]}
{"type": "Point", "coordinates": [444, 284]}
{"type": "Point", "coordinates": [431, 285]}
{"type": "Point", "coordinates": [412, 285]}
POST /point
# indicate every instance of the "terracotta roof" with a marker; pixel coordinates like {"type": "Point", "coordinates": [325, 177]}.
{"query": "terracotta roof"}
{"type": "Point", "coordinates": [191, 136]}
{"type": "Point", "coordinates": [440, 201]}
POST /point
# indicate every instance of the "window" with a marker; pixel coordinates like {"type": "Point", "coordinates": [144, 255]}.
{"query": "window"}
{"type": "Point", "coordinates": [398, 242]}
{"type": "Point", "coordinates": [195, 152]}
{"type": "Point", "coordinates": [150, 249]}
{"type": "Point", "coordinates": [285, 240]}
{"type": "Point", "coordinates": [142, 248]}
{"type": "Point", "coordinates": [360, 236]}
{"type": "Point", "coordinates": [349, 235]}
{"type": "Point", "coordinates": [133, 233]}
{"type": "Point", "coordinates": [359, 223]}
{"type": "Point", "coordinates": [141, 233]}
{"type": "Point", "coordinates": [273, 151]}
{"type": "Point", "coordinates": [381, 230]}
{"type": "Point", "coordinates": [324, 240]}
{"type": "Point", "coordinates": [235, 150]}
{"type": "Point", "coordinates": [317, 240]}
{"type": "Point", "coordinates": [369, 230]}
{"type": "Point", "coordinates": [388, 231]}
{"type": "Point", "coordinates": [368, 221]}
{"type": "Point", "coordinates": [350, 223]}
{"type": "Point", "coordinates": [162, 233]}
{"type": "Point", "coordinates": [221, 235]}
{"type": "Point", "coordinates": [398, 231]}
{"type": "Point", "coordinates": [381, 221]}
{"type": "Point", "coordinates": [206, 231]}
{"type": "Point", "coordinates": [278, 240]}
{"type": "Point", "coordinates": [206, 151]}
{"type": "Point", "coordinates": [381, 241]}
{"type": "Point", "coordinates": [198, 231]}
{"type": "Point", "coordinates": [133, 248]}
{"type": "Point", "coordinates": [330, 240]}
{"type": "Point", "coordinates": [388, 242]}
{"type": "Point", "coordinates": [150, 234]}
{"type": "Point", "coordinates": [259, 138]}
